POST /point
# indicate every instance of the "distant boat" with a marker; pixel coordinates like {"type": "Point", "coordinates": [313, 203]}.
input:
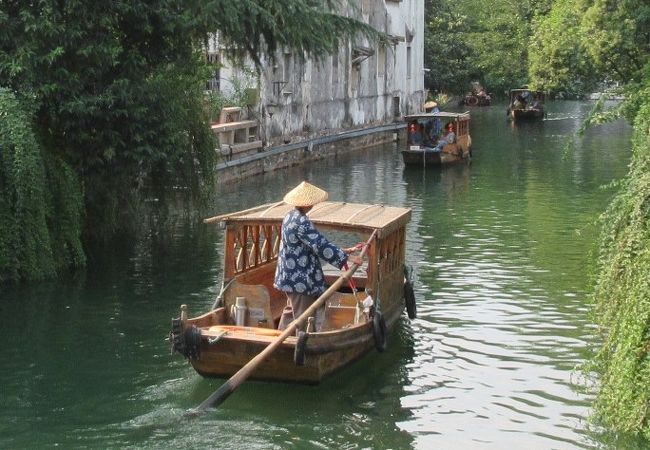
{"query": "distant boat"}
{"type": "Point", "coordinates": [474, 99]}
{"type": "Point", "coordinates": [477, 96]}
{"type": "Point", "coordinates": [526, 104]}
{"type": "Point", "coordinates": [422, 150]}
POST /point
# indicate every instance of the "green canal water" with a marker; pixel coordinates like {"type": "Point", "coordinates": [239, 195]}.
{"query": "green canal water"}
{"type": "Point", "coordinates": [502, 252]}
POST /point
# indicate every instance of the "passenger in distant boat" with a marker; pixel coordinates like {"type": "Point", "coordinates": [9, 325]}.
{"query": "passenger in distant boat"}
{"type": "Point", "coordinates": [448, 138]}
{"type": "Point", "coordinates": [417, 134]}
{"type": "Point", "coordinates": [483, 96]}
{"type": "Point", "coordinates": [299, 273]}
{"type": "Point", "coordinates": [536, 104]}
{"type": "Point", "coordinates": [519, 103]}
{"type": "Point", "coordinates": [428, 136]}
{"type": "Point", "coordinates": [423, 132]}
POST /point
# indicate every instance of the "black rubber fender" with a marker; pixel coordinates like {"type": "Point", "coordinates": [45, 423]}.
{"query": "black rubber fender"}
{"type": "Point", "coordinates": [192, 337]}
{"type": "Point", "coordinates": [299, 351]}
{"type": "Point", "coordinates": [409, 300]}
{"type": "Point", "coordinates": [177, 337]}
{"type": "Point", "coordinates": [380, 331]}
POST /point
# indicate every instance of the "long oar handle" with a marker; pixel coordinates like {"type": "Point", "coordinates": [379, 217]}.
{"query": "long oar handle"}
{"type": "Point", "coordinates": [234, 381]}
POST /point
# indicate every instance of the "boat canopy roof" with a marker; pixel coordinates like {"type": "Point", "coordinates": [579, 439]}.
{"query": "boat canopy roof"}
{"type": "Point", "coordinates": [442, 114]}
{"type": "Point", "coordinates": [342, 215]}
{"type": "Point", "coordinates": [519, 90]}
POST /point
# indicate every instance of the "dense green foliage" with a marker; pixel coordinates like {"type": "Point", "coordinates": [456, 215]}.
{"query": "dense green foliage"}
{"type": "Point", "coordinates": [117, 109]}
{"type": "Point", "coordinates": [39, 214]}
{"type": "Point", "coordinates": [623, 292]}
{"type": "Point", "coordinates": [559, 46]}
{"type": "Point", "coordinates": [579, 44]}
{"type": "Point", "coordinates": [558, 62]}
{"type": "Point", "coordinates": [446, 52]}
{"type": "Point", "coordinates": [484, 41]}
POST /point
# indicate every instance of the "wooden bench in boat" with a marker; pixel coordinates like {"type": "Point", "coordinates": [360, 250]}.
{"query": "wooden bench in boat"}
{"type": "Point", "coordinates": [341, 311]}
{"type": "Point", "coordinates": [257, 300]}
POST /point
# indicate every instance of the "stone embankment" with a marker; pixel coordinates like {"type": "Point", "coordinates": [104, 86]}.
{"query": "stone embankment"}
{"type": "Point", "coordinates": [277, 157]}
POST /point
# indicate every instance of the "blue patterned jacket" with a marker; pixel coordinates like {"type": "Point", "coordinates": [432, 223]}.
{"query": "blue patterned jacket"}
{"type": "Point", "coordinates": [302, 245]}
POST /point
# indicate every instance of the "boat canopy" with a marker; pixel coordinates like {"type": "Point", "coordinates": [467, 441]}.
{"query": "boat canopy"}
{"type": "Point", "coordinates": [440, 114]}
{"type": "Point", "coordinates": [514, 92]}
{"type": "Point", "coordinates": [342, 215]}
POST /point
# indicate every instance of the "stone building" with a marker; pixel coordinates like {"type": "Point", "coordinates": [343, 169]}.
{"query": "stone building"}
{"type": "Point", "coordinates": [363, 84]}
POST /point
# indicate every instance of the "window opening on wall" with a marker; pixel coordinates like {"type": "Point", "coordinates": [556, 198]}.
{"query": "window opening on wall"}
{"type": "Point", "coordinates": [365, 7]}
{"type": "Point", "coordinates": [381, 60]}
{"type": "Point", "coordinates": [408, 62]}
{"type": "Point", "coordinates": [360, 54]}
{"type": "Point", "coordinates": [355, 78]}
{"type": "Point", "coordinates": [396, 111]}
{"type": "Point", "coordinates": [286, 67]}
{"type": "Point", "coordinates": [335, 68]}
{"type": "Point", "coordinates": [214, 81]}
{"type": "Point", "coordinates": [277, 87]}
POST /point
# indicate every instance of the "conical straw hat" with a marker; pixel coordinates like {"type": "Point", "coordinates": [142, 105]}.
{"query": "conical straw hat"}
{"type": "Point", "coordinates": [305, 194]}
{"type": "Point", "coordinates": [430, 104]}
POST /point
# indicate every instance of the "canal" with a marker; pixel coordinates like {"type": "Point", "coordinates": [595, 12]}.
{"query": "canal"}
{"type": "Point", "coordinates": [502, 252]}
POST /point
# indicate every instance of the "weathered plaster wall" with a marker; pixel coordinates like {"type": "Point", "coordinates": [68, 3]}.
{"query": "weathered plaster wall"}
{"type": "Point", "coordinates": [300, 98]}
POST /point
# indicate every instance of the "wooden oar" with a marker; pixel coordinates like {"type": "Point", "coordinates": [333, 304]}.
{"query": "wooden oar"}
{"type": "Point", "coordinates": [238, 378]}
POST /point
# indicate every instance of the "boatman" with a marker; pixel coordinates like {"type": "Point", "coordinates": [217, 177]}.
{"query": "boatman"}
{"type": "Point", "coordinates": [436, 124]}
{"type": "Point", "coordinates": [299, 273]}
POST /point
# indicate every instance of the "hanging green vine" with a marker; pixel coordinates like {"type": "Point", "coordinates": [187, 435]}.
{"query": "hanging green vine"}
{"type": "Point", "coordinates": [622, 292]}
{"type": "Point", "coordinates": [40, 202]}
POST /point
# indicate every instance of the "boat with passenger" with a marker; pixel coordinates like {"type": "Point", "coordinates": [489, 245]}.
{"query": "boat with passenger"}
{"type": "Point", "coordinates": [525, 104]}
{"type": "Point", "coordinates": [477, 96]}
{"type": "Point", "coordinates": [361, 305]}
{"type": "Point", "coordinates": [426, 147]}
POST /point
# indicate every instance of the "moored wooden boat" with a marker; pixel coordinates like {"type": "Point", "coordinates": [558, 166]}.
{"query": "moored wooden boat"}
{"type": "Point", "coordinates": [217, 346]}
{"type": "Point", "coordinates": [422, 131]}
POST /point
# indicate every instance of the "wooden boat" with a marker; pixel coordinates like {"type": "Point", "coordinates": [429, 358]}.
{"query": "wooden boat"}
{"type": "Point", "coordinates": [476, 100]}
{"type": "Point", "coordinates": [423, 153]}
{"type": "Point", "coordinates": [477, 96]}
{"type": "Point", "coordinates": [217, 346]}
{"type": "Point", "coordinates": [526, 104]}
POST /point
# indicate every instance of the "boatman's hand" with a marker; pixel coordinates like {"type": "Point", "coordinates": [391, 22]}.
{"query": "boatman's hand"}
{"type": "Point", "coordinates": [355, 259]}
{"type": "Point", "coordinates": [353, 249]}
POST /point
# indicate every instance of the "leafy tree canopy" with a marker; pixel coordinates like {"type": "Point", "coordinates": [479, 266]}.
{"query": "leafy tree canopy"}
{"type": "Point", "coordinates": [114, 92]}
{"type": "Point", "coordinates": [478, 41]}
